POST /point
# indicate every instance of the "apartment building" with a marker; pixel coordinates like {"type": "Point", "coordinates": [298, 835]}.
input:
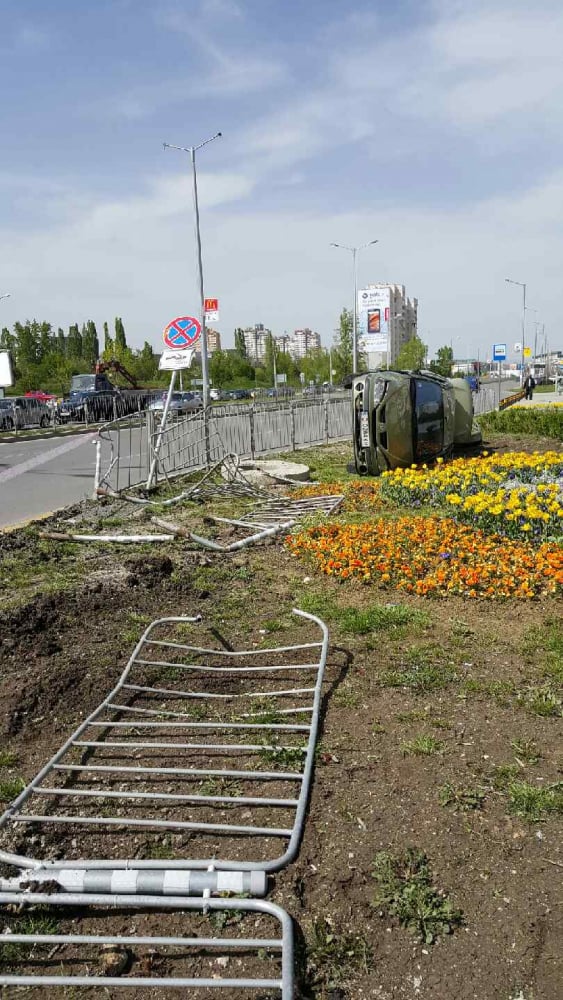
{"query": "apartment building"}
{"type": "Point", "coordinates": [213, 342]}
{"type": "Point", "coordinates": [302, 342]}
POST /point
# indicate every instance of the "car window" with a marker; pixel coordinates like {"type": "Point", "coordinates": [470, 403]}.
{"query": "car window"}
{"type": "Point", "coordinates": [429, 418]}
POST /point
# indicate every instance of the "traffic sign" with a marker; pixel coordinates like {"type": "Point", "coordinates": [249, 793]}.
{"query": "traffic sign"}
{"type": "Point", "coordinates": [527, 352]}
{"type": "Point", "coordinates": [499, 352]}
{"type": "Point", "coordinates": [182, 333]}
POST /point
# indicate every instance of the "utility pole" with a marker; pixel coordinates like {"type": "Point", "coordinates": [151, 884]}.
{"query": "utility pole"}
{"type": "Point", "coordinates": [354, 251]}
{"type": "Point", "coordinates": [204, 354]}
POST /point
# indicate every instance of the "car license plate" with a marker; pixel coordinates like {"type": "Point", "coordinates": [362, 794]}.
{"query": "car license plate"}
{"type": "Point", "coordinates": [364, 430]}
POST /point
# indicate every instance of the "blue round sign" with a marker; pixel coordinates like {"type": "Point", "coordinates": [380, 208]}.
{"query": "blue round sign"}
{"type": "Point", "coordinates": [181, 333]}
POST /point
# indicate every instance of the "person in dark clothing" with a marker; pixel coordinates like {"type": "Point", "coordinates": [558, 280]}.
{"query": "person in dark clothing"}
{"type": "Point", "coordinates": [529, 386]}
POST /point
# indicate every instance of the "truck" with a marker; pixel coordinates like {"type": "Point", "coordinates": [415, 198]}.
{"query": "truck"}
{"type": "Point", "coordinates": [401, 418]}
{"type": "Point", "coordinates": [93, 397]}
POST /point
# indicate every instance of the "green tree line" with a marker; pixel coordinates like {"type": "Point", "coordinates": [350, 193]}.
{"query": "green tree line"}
{"type": "Point", "coordinates": [46, 358]}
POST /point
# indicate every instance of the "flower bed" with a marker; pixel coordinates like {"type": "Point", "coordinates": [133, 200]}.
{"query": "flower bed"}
{"type": "Point", "coordinates": [515, 494]}
{"type": "Point", "coordinates": [431, 556]}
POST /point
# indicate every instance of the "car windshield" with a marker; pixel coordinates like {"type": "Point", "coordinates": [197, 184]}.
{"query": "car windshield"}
{"type": "Point", "coordinates": [429, 419]}
{"type": "Point", "coordinates": [6, 403]}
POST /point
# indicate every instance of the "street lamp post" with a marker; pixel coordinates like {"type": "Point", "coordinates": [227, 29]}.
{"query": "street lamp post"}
{"type": "Point", "coordinates": [354, 251]}
{"type": "Point", "coordinates": [523, 287]}
{"type": "Point", "coordinates": [204, 355]}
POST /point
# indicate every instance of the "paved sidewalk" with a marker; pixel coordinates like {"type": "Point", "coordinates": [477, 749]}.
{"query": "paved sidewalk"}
{"type": "Point", "coordinates": [541, 399]}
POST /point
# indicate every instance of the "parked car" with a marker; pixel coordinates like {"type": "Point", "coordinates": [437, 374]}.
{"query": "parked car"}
{"type": "Point", "coordinates": [180, 404]}
{"type": "Point", "coordinates": [239, 394]}
{"type": "Point", "coordinates": [401, 417]}
{"type": "Point", "coordinates": [87, 407]}
{"type": "Point", "coordinates": [19, 412]}
{"type": "Point", "coordinates": [216, 395]}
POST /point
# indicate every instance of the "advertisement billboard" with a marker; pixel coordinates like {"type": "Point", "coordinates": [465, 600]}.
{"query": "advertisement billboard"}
{"type": "Point", "coordinates": [373, 319]}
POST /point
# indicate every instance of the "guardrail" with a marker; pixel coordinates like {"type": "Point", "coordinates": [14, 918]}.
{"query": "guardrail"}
{"type": "Point", "coordinates": [125, 447]}
{"type": "Point", "coordinates": [509, 400]}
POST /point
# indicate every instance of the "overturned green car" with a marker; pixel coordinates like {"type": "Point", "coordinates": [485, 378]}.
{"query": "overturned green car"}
{"type": "Point", "coordinates": [406, 417]}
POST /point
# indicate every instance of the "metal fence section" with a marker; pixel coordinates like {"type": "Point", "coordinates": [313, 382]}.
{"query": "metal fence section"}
{"type": "Point", "coordinates": [210, 743]}
{"type": "Point", "coordinates": [485, 400]}
{"type": "Point", "coordinates": [190, 443]}
{"type": "Point", "coordinates": [264, 960]}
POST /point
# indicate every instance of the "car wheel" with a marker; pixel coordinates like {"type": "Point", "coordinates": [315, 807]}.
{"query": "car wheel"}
{"type": "Point", "coordinates": [44, 422]}
{"type": "Point", "coordinates": [9, 424]}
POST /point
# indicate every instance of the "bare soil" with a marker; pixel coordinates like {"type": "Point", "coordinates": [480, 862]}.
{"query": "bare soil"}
{"type": "Point", "coordinates": [61, 652]}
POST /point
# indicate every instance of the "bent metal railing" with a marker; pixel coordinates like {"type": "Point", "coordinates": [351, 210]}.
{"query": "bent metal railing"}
{"type": "Point", "coordinates": [190, 705]}
{"type": "Point", "coordinates": [210, 746]}
{"type": "Point", "coordinates": [125, 447]}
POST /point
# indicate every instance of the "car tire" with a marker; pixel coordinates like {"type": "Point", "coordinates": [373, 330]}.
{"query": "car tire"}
{"type": "Point", "coordinates": [44, 422]}
{"type": "Point", "coordinates": [9, 424]}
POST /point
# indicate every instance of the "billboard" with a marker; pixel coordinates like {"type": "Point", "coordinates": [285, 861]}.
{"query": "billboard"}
{"type": "Point", "coordinates": [373, 319]}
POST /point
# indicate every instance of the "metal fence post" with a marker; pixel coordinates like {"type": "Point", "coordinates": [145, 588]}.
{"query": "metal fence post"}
{"type": "Point", "coordinates": [292, 408]}
{"type": "Point", "coordinates": [326, 421]}
{"type": "Point", "coordinates": [206, 415]}
{"type": "Point", "coordinates": [252, 441]}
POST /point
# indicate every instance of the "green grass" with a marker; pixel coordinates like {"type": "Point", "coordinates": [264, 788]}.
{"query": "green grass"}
{"type": "Point", "coordinates": [35, 923]}
{"type": "Point", "coordinates": [420, 670]}
{"type": "Point", "coordinates": [526, 750]}
{"type": "Point", "coordinates": [11, 788]}
{"type": "Point", "coordinates": [397, 619]}
{"type": "Point", "coordinates": [8, 758]}
{"type": "Point", "coordinates": [461, 799]}
{"type": "Point", "coordinates": [534, 802]}
{"type": "Point", "coordinates": [542, 422]}
{"type": "Point", "coordinates": [422, 746]}
{"type": "Point", "coordinates": [332, 955]}
{"type": "Point", "coordinates": [542, 700]}
{"type": "Point", "coordinates": [405, 890]}
{"type": "Point", "coordinates": [327, 463]}
{"type": "Point", "coordinates": [544, 645]}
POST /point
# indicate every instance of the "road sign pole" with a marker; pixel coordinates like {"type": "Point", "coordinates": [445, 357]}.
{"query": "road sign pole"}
{"type": "Point", "coordinates": [499, 374]}
{"type": "Point", "coordinates": [156, 451]}
{"type": "Point", "coordinates": [204, 356]}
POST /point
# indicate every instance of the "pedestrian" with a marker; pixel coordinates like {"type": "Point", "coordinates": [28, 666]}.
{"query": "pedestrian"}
{"type": "Point", "coordinates": [529, 386]}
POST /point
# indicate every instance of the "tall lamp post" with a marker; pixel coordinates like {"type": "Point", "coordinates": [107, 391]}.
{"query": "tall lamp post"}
{"type": "Point", "coordinates": [204, 356]}
{"type": "Point", "coordinates": [354, 251]}
{"type": "Point", "coordinates": [522, 285]}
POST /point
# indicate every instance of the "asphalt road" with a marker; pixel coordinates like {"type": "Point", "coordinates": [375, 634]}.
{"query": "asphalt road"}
{"type": "Point", "coordinates": [38, 476]}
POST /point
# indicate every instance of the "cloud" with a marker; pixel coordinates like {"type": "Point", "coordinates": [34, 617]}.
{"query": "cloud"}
{"type": "Point", "coordinates": [135, 258]}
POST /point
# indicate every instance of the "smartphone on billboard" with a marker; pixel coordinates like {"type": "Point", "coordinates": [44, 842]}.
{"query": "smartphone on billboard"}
{"type": "Point", "coordinates": [374, 320]}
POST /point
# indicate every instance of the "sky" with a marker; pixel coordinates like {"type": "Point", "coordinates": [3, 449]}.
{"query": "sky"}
{"type": "Point", "coordinates": [433, 126]}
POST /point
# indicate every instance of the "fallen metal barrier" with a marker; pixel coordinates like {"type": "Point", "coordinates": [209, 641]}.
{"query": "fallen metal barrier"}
{"type": "Point", "coordinates": [278, 949]}
{"type": "Point", "coordinates": [184, 745]}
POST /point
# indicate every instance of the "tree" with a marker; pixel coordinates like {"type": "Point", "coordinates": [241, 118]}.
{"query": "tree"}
{"type": "Point", "coordinates": [444, 361]}
{"type": "Point", "coordinates": [108, 344]}
{"type": "Point", "coordinates": [342, 352]}
{"type": "Point", "coordinates": [120, 341]}
{"type": "Point", "coordinates": [74, 342]}
{"type": "Point", "coordinates": [412, 355]}
{"type": "Point", "coordinates": [240, 343]}
{"type": "Point", "coordinates": [220, 368]}
{"type": "Point", "coordinates": [90, 343]}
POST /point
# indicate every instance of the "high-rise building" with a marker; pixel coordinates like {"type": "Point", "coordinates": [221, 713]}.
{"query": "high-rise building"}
{"type": "Point", "coordinates": [255, 339]}
{"type": "Point", "coordinates": [302, 342]}
{"type": "Point", "coordinates": [213, 342]}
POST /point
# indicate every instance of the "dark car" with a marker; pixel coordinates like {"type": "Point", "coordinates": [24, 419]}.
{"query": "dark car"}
{"type": "Point", "coordinates": [87, 407]}
{"type": "Point", "coordinates": [239, 394]}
